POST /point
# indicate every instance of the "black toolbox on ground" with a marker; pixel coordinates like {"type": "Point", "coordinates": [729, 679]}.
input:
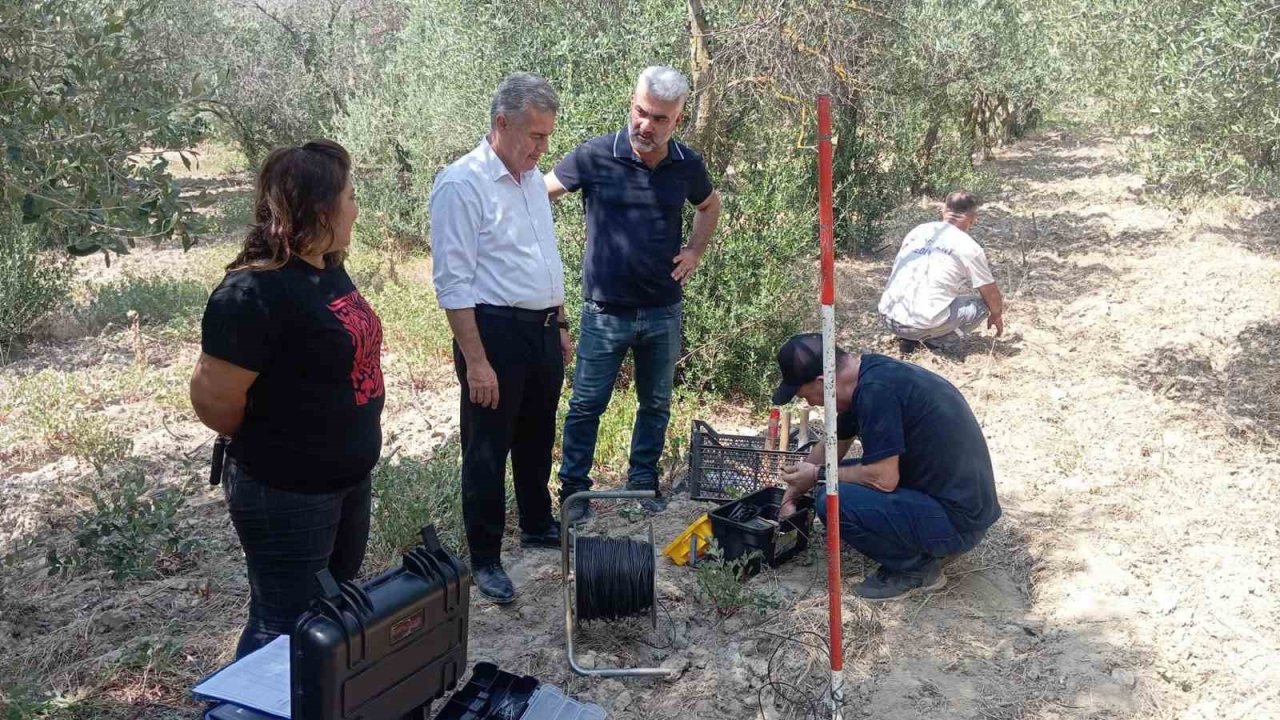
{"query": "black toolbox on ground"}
{"type": "Point", "coordinates": [490, 693]}
{"type": "Point", "coordinates": [494, 694]}
{"type": "Point", "coordinates": [751, 524]}
{"type": "Point", "coordinates": [387, 648]}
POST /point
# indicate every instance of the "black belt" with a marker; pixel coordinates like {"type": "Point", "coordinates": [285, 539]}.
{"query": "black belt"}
{"type": "Point", "coordinates": [545, 318]}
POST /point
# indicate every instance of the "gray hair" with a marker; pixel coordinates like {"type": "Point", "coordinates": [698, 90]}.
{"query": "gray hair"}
{"type": "Point", "coordinates": [519, 91]}
{"type": "Point", "coordinates": [664, 83]}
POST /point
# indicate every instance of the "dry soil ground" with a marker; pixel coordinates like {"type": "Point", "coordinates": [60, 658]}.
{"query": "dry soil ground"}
{"type": "Point", "coordinates": [1131, 409]}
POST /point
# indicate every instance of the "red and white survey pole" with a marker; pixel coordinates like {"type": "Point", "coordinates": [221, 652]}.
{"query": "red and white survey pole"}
{"type": "Point", "coordinates": [826, 233]}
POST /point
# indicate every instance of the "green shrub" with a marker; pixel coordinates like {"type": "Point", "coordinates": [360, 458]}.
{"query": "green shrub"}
{"type": "Point", "coordinates": [32, 282]}
{"type": "Point", "coordinates": [132, 530]}
{"type": "Point", "coordinates": [723, 583]}
{"type": "Point", "coordinates": [1200, 78]}
{"type": "Point", "coordinates": [756, 286]}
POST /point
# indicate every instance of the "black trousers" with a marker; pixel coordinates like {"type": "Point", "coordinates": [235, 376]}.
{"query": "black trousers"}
{"type": "Point", "coordinates": [525, 355]}
{"type": "Point", "coordinates": [287, 538]}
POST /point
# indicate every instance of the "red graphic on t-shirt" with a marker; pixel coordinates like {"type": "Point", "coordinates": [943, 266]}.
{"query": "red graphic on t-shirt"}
{"type": "Point", "coordinates": [365, 329]}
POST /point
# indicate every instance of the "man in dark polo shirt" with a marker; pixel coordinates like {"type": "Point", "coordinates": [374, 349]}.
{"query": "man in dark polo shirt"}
{"type": "Point", "coordinates": [635, 183]}
{"type": "Point", "coordinates": [923, 489]}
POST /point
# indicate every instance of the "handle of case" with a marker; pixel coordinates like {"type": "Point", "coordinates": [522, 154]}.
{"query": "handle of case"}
{"type": "Point", "coordinates": [329, 589]}
{"type": "Point", "coordinates": [430, 540]}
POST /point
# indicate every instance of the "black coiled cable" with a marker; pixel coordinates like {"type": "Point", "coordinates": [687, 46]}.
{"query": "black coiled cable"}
{"type": "Point", "coordinates": [613, 578]}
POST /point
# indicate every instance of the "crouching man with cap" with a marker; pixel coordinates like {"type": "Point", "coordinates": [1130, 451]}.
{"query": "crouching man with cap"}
{"type": "Point", "coordinates": [923, 489]}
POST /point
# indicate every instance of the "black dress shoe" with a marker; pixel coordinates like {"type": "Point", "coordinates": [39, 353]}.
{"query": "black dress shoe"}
{"type": "Point", "coordinates": [579, 511]}
{"type": "Point", "coordinates": [492, 582]}
{"type": "Point", "coordinates": [655, 504]}
{"type": "Point", "coordinates": [548, 538]}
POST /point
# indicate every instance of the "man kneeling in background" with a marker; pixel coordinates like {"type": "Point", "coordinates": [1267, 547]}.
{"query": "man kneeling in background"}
{"type": "Point", "coordinates": [923, 489]}
{"type": "Point", "coordinates": [930, 294]}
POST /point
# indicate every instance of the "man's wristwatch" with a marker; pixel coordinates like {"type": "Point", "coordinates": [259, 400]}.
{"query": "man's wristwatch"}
{"type": "Point", "coordinates": [821, 475]}
{"type": "Point", "coordinates": [563, 324]}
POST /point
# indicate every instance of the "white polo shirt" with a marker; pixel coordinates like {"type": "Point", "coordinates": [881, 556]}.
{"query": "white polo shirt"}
{"type": "Point", "coordinates": [493, 241]}
{"type": "Point", "coordinates": [937, 263]}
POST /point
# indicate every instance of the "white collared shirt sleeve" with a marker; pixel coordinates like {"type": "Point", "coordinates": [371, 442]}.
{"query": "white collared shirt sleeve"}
{"type": "Point", "coordinates": [455, 233]}
{"type": "Point", "coordinates": [493, 240]}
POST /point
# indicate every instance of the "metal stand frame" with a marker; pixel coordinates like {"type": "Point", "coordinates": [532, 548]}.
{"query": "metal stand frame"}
{"type": "Point", "coordinates": [567, 583]}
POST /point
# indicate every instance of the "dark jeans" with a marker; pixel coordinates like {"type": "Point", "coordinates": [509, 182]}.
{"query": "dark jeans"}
{"type": "Point", "coordinates": [608, 332]}
{"type": "Point", "coordinates": [527, 359]}
{"type": "Point", "coordinates": [287, 538]}
{"type": "Point", "coordinates": [905, 530]}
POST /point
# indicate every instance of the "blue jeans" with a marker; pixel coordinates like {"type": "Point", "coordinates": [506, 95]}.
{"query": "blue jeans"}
{"type": "Point", "coordinates": [288, 537]}
{"type": "Point", "coordinates": [905, 530]}
{"type": "Point", "coordinates": [608, 332]}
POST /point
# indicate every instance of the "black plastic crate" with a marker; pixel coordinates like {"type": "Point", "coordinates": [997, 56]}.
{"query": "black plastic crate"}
{"type": "Point", "coordinates": [751, 524]}
{"type": "Point", "coordinates": [490, 694]}
{"type": "Point", "coordinates": [725, 467]}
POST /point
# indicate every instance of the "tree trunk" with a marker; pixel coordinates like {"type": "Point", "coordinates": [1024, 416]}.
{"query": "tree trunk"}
{"type": "Point", "coordinates": [924, 158]}
{"type": "Point", "coordinates": [703, 76]}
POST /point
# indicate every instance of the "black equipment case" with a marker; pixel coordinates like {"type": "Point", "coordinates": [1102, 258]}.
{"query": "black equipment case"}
{"type": "Point", "coordinates": [385, 649]}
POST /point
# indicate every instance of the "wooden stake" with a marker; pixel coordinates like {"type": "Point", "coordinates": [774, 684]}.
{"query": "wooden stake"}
{"type": "Point", "coordinates": [804, 425]}
{"type": "Point", "coordinates": [784, 430]}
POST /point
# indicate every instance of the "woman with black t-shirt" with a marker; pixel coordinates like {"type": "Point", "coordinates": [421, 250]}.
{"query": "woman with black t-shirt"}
{"type": "Point", "coordinates": [290, 371]}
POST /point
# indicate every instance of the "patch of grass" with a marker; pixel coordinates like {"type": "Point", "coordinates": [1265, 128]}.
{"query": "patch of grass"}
{"type": "Point", "coordinates": [230, 213]}
{"type": "Point", "coordinates": [61, 412]}
{"type": "Point", "coordinates": [25, 703]}
{"type": "Point", "coordinates": [613, 441]}
{"type": "Point", "coordinates": [172, 304]}
{"type": "Point", "coordinates": [128, 693]}
{"type": "Point", "coordinates": [411, 492]}
{"type": "Point", "coordinates": [414, 327]}
{"type": "Point", "coordinates": [152, 654]}
{"type": "Point", "coordinates": [215, 159]}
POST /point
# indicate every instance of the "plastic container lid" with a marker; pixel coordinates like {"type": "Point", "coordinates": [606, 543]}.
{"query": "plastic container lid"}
{"type": "Point", "coordinates": [548, 703]}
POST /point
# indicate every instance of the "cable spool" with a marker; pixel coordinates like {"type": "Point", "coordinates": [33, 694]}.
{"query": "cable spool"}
{"type": "Point", "coordinates": [607, 579]}
{"type": "Point", "coordinates": [613, 578]}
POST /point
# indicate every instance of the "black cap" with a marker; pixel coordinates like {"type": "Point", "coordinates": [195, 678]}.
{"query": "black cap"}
{"type": "Point", "coordinates": [800, 361]}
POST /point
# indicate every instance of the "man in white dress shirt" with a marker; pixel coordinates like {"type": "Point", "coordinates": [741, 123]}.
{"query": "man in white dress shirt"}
{"type": "Point", "coordinates": [499, 278]}
{"type": "Point", "coordinates": [941, 287]}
